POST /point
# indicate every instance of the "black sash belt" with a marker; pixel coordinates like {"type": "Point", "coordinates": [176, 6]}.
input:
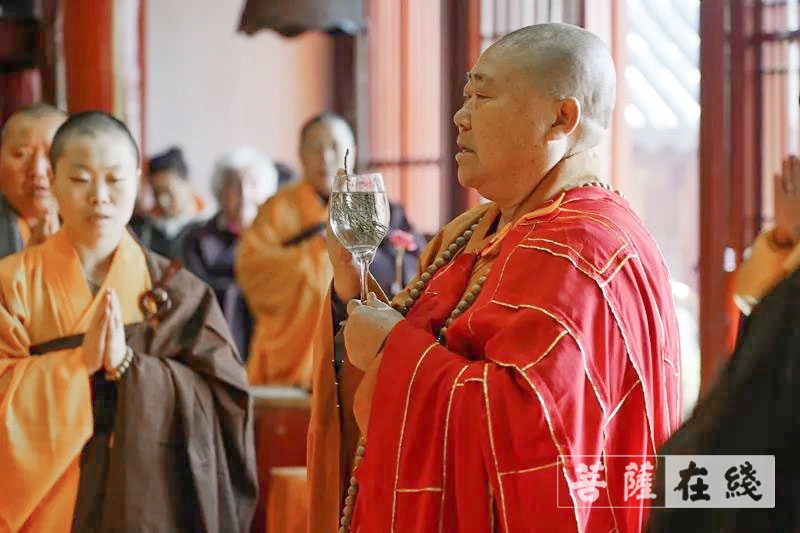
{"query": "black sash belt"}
{"type": "Point", "coordinates": [305, 234]}
{"type": "Point", "coordinates": [68, 343]}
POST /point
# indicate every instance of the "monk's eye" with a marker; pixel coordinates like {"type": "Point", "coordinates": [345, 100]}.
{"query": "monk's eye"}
{"type": "Point", "coordinates": [21, 152]}
{"type": "Point", "coordinates": [79, 179]}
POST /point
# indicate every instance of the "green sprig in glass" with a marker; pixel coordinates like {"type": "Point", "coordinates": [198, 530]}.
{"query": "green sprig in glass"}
{"type": "Point", "coordinates": [359, 215]}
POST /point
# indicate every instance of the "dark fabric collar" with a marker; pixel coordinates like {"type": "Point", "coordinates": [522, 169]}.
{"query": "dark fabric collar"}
{"type": "Point", "coordinates": [10, 239]}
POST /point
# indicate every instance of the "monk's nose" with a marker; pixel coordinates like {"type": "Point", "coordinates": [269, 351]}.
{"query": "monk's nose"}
{"type": "Point", "coordinates": [99, 194]}
{"type": "Point", "coordinates": [38, 165]}
{"type": "Point", "coordinates": [461, 119]}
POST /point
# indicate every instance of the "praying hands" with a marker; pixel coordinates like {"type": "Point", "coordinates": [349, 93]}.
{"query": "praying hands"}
{"type": "Point", "coordinates": [104, 343]}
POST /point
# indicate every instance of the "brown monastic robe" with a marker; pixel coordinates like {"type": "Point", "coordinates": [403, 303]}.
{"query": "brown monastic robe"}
{"type": "Point", "coordinates": [168, 448]}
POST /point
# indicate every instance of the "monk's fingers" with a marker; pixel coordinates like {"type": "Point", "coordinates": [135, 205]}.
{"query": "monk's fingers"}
{"type": "Point", "coordinates": [116, 308]}
{"type": "Point", "coordinates": [376, 303]}
{"type": "Point", "coordinates": [352, 305]}
{"type": "Point", "coordinates": [777, 183]}
{"type": "Point", "coordinates": [341, 172]}
{"type": "Point", "coordinates": [51, 224]}
{"type": "Point", "coordinates": [789, 176]}
{"type": "Point", "coordinates": [786, 168]}
{"type": "Point", "coordinates": [101, 315]}
{"type": "Point", "coordinates": [793, 177]}
{"type": "Point", "coordinates": [360, 345]}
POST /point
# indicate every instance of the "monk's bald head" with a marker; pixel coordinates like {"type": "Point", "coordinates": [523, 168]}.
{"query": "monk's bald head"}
{"type": "Point", "coordinates": [36, 111]}
{"type": "Point", "coordinates": [566, 61]}
{"type": "Point", "coordinates": [92, 124]}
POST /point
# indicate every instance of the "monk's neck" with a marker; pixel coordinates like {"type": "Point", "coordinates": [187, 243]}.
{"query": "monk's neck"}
{"type": "Point", "coordinates": [95, 257]}
{"type": "Point", "coordinates": [568, 173]}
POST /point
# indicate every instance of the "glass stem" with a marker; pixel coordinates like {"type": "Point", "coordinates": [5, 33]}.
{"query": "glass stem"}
{"type": "Point", "coordinates": [363, 262]}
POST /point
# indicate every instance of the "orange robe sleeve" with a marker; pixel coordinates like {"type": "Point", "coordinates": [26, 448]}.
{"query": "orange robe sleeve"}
{"type": "Point", "coordinates": [45, 419]}
{"type": "Point", "coordinates": [285, 285]}
{"type": "Point", "coordinates": [568, 355]}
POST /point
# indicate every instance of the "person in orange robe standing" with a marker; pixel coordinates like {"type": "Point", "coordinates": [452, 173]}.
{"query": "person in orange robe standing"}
{"type": "Point", "coordinates": [535, 356]}
{"type": "Point", "coordinates": [123, 406]}
{"type": "Point", "coordinates": [281, 264]}
{"type": "Point", "coordinates": [28, 211]}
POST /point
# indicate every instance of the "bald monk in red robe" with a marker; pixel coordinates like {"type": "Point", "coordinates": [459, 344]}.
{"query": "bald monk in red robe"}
{"type": "Point", "coordinates": [537, 345]}
{"type": "Point", "coordinates": [123, 405]}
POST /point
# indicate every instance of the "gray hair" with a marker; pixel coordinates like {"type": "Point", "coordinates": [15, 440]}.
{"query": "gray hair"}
{"type": "Point", "coordinates": [239, 159]}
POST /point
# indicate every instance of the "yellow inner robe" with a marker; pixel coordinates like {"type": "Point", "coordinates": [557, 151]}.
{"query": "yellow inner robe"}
{"type": "Point", "coordinates": [285, 285]}
{"type": "Point", "coordinates": [45, 401]}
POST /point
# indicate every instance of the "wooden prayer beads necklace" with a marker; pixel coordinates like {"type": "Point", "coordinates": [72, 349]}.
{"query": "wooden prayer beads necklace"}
{"type": "Point", "coordinates": [425, 278]}
{"type": "Point", "coordinates": [350, 499]}
{"type": "Point", "coordinates": [413, 295]}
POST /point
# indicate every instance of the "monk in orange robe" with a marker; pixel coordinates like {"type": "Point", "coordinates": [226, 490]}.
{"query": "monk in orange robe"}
{"type": "Point", "coordinates": [281, 263]}
{"type": "Point", "coordinates": [123, 406]}
{"type": "Point", "coordinates": [535, 356]}
{"type": "Point", "coordinates": [28, 211]}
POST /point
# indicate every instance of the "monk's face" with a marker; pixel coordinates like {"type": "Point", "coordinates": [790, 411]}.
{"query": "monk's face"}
{"type": "Point", "coordinates": [322, 152]}
{"type": "Point", "coordinates": [96, 180]}
{"type": "Point", "coordinates": [503, 130]}
{"type": "Point", "coordinates": [25, 163]}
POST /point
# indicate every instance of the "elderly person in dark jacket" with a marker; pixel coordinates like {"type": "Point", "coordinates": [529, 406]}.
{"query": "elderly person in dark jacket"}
{"type": "Point", "coordinates": [242, 180]}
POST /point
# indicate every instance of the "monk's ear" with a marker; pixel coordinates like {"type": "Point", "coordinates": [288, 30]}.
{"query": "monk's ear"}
{"type": "Point", "coordinates": [568, 117]}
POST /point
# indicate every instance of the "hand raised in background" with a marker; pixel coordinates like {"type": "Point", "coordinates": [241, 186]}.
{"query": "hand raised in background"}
{"type": "Point", "coordinates": [787, 203]}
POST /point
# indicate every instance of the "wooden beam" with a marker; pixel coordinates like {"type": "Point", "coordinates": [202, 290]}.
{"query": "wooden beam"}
{"type": "Point", "coordinates": [714, 190]}
{"type": "Point", "coordinates": [460, 50]}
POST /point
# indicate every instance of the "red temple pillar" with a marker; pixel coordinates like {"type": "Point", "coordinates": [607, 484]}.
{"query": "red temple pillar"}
{"type": "Point", "coordinates": [88, 54]}
{"type": "Point", "coordinates": [103, 50]}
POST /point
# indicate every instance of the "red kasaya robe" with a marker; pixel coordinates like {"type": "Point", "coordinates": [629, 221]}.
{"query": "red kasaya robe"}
{"type": "Point", "coordinates": [570, 349]}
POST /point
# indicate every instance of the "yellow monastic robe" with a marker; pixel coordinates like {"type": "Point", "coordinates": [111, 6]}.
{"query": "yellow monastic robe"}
{"type": "Point", "coordinates": [285, 284]}
{"type": "Point", "coordinates": [45, 401]}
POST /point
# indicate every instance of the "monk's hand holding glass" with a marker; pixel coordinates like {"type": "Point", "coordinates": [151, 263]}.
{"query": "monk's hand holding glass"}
{"type": "Point", "coordinates": [94, 341]}
{"type": "Point", "coordinates": [367, 328]}
{"type": "Point", "coordinates": [115, 335]}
